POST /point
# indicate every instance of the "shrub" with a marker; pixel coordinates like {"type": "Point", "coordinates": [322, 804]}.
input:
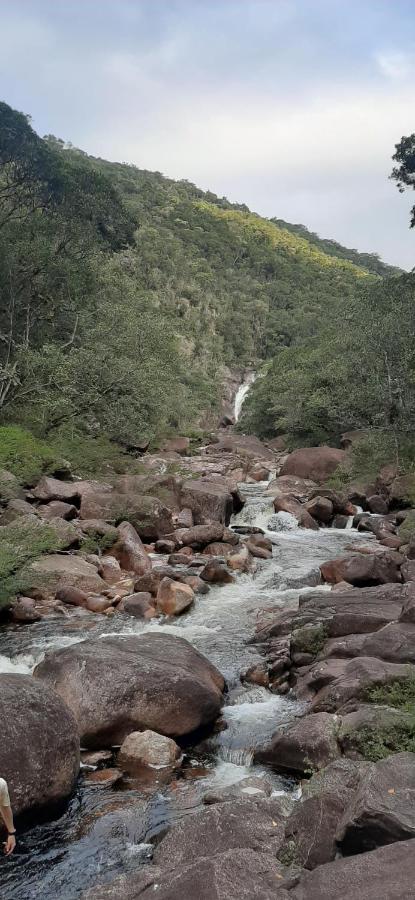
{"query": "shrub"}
{"type": "Point", "coordinates": [24, 455]}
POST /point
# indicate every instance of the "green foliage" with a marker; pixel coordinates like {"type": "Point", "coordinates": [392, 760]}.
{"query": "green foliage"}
{"type": "Point", "coordinates": [407, 529]}
{"type": "Point", "coordinates": [21, 542]}
{"type": "Point", "coordinates": [310, 639]}
{"type": "Point", "coordinates": [24, 455]}
{"type": "Point", "coordinates": [400, 694]}
{"type": "Point", "coordinates": [377, 743]}
{"type": "Point", "coordinates": [404, 172]}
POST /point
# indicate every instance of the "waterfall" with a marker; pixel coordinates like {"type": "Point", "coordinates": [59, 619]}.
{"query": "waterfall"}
{"type": "Point", "coordinates": [241, 394]}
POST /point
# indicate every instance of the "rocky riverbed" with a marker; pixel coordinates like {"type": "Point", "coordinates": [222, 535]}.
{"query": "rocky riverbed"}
{"type": "Point", "coordinates": [233, 653]}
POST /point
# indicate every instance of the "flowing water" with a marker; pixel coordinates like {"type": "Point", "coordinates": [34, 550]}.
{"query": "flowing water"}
{"type": "Point", "coordinates": [105, 831]}
{"type": "Point", "coordinates": [241, 394]}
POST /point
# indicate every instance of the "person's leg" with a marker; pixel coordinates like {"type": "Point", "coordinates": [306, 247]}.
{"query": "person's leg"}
{"type": "Point", "coordinates": [7, 816]}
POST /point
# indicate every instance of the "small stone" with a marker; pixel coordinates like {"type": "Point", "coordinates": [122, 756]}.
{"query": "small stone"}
{"type": "Point", "coordinates": [103, 778]}
{"type": "Point", "coordinates": [148, 748]}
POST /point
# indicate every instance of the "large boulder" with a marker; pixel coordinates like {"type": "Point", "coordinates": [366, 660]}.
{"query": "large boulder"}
{"type": "Point", "coordinates": [129, 550]}
{"type": "Point", "coordinates": [364, 569]}
{"type": "Point", "coordinates": [316, 463]}
{"type": "Point", "coordinates": [53, 571]}
{"type": "Point", "coordinates": [402, 491]}
{"type": "Point", "coordinates": [49, 488]}
{"type": "Point", "coordinates": [241, 873]}
{"type": "Point", "coordinates": [384, 874]}
{"type": "Point", "coordinates": [355, 677]}
{"type": "Point", "coordinates": [173, 597]}
{"type": "Point", "coordinates": [352, 610]}
{"type": "Point", "coordinates": [320, 508]}
{"type": "Point", "coordinates": [383, 809]}
{"type": "Point", "coordinates": [289, 504]}
{"type": "Point", "coordinates": [209, 501]}
{"type": "Point", "coordinates": [201, 535]}
{"type": "Point", "coordinates": [249, 823]}
{"type": "Point", "coordinates": [39, 747]}
{"type": "Point", "coordinates": [308, 744]}
{"type": "Point", "coordinates": [149, 516]}
{"type": "Point", "coordinates": [300, 488]}
{"type": "Point", "coordinates": [120, 684]}
{"type": "Point", "coordinates": [395, 643]}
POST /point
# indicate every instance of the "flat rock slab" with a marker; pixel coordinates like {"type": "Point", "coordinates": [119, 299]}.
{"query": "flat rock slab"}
{"type": "Point", "coordinates": [355, 678]}
{"type": "Point", "coordinates": [121, 684]}
{"type": "Point", "coordinates": [384, 874]}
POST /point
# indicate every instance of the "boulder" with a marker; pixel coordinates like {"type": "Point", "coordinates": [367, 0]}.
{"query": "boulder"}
{"type": "Point", "coordinates": [140, 605]}
{"type": "Point", "coordinates": [377, 504]}
{"type": "Point", "coordinates": [408, 570]}
{"type": "Point", "coordinates": [49, 489]}
{"type": "Point", "coordinates": [98, 604]}
{"type": "Point", "coordinates": [288, 503]}
{"type": "Point", "coordinates": [394, 642]}
{"type": "Point", "coordinates": [315, 463]}
{"type": "Point", "coordinates": [361, 570]}
{"type": "Point", "coordinates": [363, 730]}
{"type": "Point", "coordinates": [130, 552]}
{"type": "Point", "coordinates": [39, 747]}
{"type": "Point", "coordinates": [196, 584]}
{"type": "Point", "coordinates": [384, 874]}
{"type": "Point", "coordinates": [10, 488]}
{"type": "Point", "coordinates": [185, 518]}
{"type": "Point", "coordinates": [218, 548]}
{"type": "Point", "coordinates": [259, 546]}
{"type": "Point", "coordinates": [147, 748]}
{"type": "Point", "coordinates": [257, 786]}
{"type": "Point", "coordinates": [341, 504]}
{"type": "Point", "coordinates": [240, 873]}
{"type": "Point", "coordinates": [320, 508]}
{"type": "Point", "coordinates": [355, 678]}
{"type": "Point", "coordinates": [239, 560]}
{"type": "Point", "coordinates": [173, 597]}
{"type": "Point", "coordinates": [201, 535]}
{"type": "Point", "coordinates": [15, 510]}
{"type": "Point", "coordinates": [73, 596]}
{"type": "Point", "coordinates": [54, 571]}
{"type": "Point", "coordinates": [208, 500]}
{"type": "Point", "coordinates": [110, 569]}
{"type": "Point", "coordinates": [180, 445]}
{"type": "Point", "coordinates": [214, 572]}
{"type": "Point", "coordinates": [97, 528]}
{"type": "Point", "coordinates": [308, 744]}
{"type": "Point", "coordinates": [351, 610]}
{"type": "Point", "coordinates": [164, 546]}
{"type": "Point", "coordinates": [24, 610]}
{"type": "Point", "coordinates": [178, 559]}
{"type": "Point", "coordinates": [147, 514]}
{"type": "Point", "coordinates": [57, 508]}
{"type": "Point", "coordinates": [120, 684]}
{"type": "Point", "coordinates": [383, 809]}
{"type": "Point", "coordinates": [254, 824]}
{"type": "Point", "coordinates": [301, 489]}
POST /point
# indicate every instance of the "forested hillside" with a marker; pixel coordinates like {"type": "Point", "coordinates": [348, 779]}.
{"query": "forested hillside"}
{"type": "Point", "coordinates": [124, 294]}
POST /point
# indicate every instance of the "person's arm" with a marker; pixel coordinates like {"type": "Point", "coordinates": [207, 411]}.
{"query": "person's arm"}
{"type": "Point", "coordinates": [7, 816]}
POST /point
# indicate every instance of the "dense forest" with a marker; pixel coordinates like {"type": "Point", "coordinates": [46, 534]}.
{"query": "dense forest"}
{"type": "Point", "coordinates": [124, 295]}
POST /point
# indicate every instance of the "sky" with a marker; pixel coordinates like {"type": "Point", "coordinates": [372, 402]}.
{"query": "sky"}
{"type": "Point", "coordinates": [290, 106]}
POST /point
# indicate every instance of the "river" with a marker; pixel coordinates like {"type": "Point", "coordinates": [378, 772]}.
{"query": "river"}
{"type": "Point", "coordinates": [105, 831]}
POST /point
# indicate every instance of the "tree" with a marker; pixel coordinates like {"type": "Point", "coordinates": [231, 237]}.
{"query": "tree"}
{"type": "Point", "coordinates": [404, 172]}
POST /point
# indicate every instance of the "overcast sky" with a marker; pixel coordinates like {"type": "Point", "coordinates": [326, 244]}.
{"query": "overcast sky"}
{"type": "Point", "coordinates": [290, 106]}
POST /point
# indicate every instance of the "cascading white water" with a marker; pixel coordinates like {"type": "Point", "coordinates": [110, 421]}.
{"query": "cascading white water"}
{"type": "Point", "coordinates": [241, 394]}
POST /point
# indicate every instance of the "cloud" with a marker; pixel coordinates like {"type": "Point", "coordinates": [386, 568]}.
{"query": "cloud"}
{"type": "Point", "coordinates": [396, 65]}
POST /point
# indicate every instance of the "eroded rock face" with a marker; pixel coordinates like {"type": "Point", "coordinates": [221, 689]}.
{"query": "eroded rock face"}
{"type": "Point", "coordinates": [310, 743]}
{"type": "Point", "coordinates": [384, 874]}
{"type": "Point", "coordinates": [39, 747]}
{"type": "Point", "coordinates": [208, 501]}
{"type": "Point", "coordinates": [361, 569]}
{"type": "Point", "coordinates": [315, 463]}
{"type": "Point", "coordinates": [121, 684]}
{"type": "Point", "coordinates": [383, 808]}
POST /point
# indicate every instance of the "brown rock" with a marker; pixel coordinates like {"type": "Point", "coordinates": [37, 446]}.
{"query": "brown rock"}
{"type": "Point", "coordinates": [208, 500]}
{"type": "Point", "coordinates": [54, 571]}
{"type": "Point", "coordinates": [377, 504]}
{"type": "Point", "coordinates": [287, 503]}
{"type": "Point", "coordinates": [310, 743]}
{"type": "Point", "coordinates": [24, 610]}
{"type": "Point", "coordinates": [15, 510]}
{"type": "Point", "coordinates": [148, 748]}
{"type": "Point", "coordinates": [140, 605]}
{"type": "Point", "coordinates": [219, 548]}
{"type": "Point", "coordinates": [201, 535]}
{"type": "Point", "coordinates": [384, 874]}
{"type": "Point", "coordinates": [130, 552]}
{"type": "Point", "coordinates": [57, 508]}
{"type": "Point", "coordinates": [178, 559]}
{"type": "Point", "coordinates": [174, 597]}
{"type": "Point", "coordinates": [98, 604]}
{"type": "Point", "coordinates": [215, 572]}
{"type": "Point", "coordinates": [320, 508]}
{"type": "Point", "coordinates": [164, 546]}
{"type": "Point", "coordinates": [179, 445]}
{"type": "Point", "coordinates": [52, 489]}
{"type": "Point", "coordinates": [103, 778]}
{"type": "Point", "coordinates": [39, 747]}
{"type": "Point", "coordinates": [316, 463]}
{"type": "Point", "coordinates": [239, 560]}
{"type": "Point", "coordinates": [364, 570]}
{"type": "Point", "coordinates": [110, 569]}
{"type": "Point", "coordinates": [185, 518]}
{"type": "Point", "coordinates": [162, 683]}
{"type": "Point", "coordinates": [355, 678]}
{"type": "Point", "coordinates": [73, 596]}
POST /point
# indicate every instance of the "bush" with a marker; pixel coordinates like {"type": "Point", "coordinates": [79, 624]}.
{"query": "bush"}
{"type": "Point", "coordinates": [310, 639]}
{"type": "Point", "coordinates": [377, 743]}
{"type": "Point", "coordinates": [399, 694]}
{"type": "Point", "coordinates": [20, 543]}
{"type": "Point", "coordinates": [26, 456]}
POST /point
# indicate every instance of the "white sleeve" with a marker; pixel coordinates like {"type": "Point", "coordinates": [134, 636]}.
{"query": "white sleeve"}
{"type": "Point", "coordinates": [4, 793]}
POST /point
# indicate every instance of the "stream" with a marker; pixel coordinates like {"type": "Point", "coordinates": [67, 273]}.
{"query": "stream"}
{"type": "Point", "coordinates": [105, 831]}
